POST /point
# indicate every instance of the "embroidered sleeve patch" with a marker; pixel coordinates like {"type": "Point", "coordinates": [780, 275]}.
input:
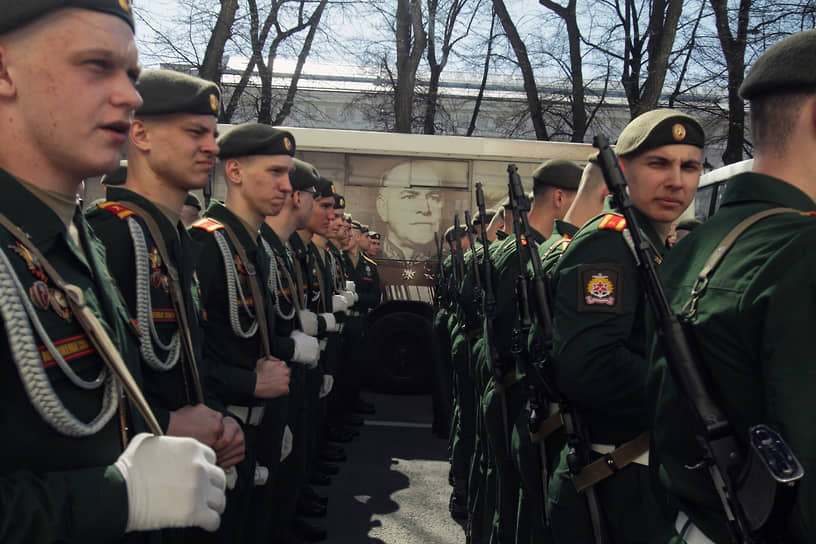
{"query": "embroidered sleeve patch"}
{"type": "Point", "coordinates": [599, 288]}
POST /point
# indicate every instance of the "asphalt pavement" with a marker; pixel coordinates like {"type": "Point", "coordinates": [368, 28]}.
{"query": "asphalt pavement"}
{"type": "Point", "coordinates": [394, 487]}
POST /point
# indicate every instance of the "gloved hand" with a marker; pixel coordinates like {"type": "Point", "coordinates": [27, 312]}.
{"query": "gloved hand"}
{"type": "Point", "coordinates": [351, 286]}
{"type": "Point", "coordinates": [307, 349]}
{"type": "Point", "coordinates": [308, 322]}
{"type": "Point", "coordinates": [232, 476]}
{"type": "Point", "coordinates": [331, 322]}
{"type": "Point", "coordinates": [328, 383]}
{"type": "Point", "coordinates": [349, 296]}
{"type": "Point", "coordinates": [261, 475]}
{"type": "Point", "coordinates": [286, 443]}
{"type": "Point", "coordinates": [171, 482]}
{"type": "Point", "coordinates": [339, 303]}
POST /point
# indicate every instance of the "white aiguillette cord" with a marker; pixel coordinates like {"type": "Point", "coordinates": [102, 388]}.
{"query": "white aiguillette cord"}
{"type": "Point", "coordinates": [93, 328]}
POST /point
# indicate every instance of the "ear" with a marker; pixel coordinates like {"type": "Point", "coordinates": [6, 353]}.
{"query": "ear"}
{"type": "Point", "coordinates": [382, 207]}
{"type": "Point", "coordinates": [7, 87]}
{"type": "Point", "coordinates": [140, 135]}
{"type": "Point", "coordinates": [232, 171]}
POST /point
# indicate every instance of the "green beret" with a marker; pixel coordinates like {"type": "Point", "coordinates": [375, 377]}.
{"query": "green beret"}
{"type": "Point", "coordinates": [657, 128]}
{"type": "Point", "coordinates": [117, 177]}
{"type": "Point", "coordinates": [325, 188]}
{"type": "Point", "coordinates": [192, 200]}
{"type": "Point", "coordinates": [304, 177]}
{"type": "Point", "coordinates": [374, 235]}
{"type": "Point", "coordinates": [165, 92]}
{"type": "Point", "coordinates": [783, 67]}
{"type": "Point", "coordinates": [558, 173]}
{"type": "Point", "coordinates": [255, 139]}
{"type": "Point", "coordinates": [364, 229]}
{"type": "Point", "coordinates": [20, 13]}
{"type": "Point", "coordinates": [339, 202]}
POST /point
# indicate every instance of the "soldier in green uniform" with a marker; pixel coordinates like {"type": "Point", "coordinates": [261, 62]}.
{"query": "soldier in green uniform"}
{"type": "Point", "coordinates": [375, 239]}
{"type": "Point", "coordinates": [554, 186]}
{"type": "Point", "coordinates": [244, 355]}
{"type": "Point", "coordinates": [177, 119]}
{"type": "Point", "coordinates": [753, 322]}
{"type": "Point", "coordinates": [599, 332]}
{"type": "Point", "coordinates": [65, 476]}
{"type": "Point", "coordinates": [289, 302]}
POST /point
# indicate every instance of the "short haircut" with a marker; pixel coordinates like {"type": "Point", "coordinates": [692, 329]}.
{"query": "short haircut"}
{"type": "Point", "coordinates": [774, 117]}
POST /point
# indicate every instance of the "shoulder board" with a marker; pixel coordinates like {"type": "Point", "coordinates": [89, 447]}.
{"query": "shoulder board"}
{"type": "Point", "coordinates": [116, 209]}
{"type": "Point", "coordinates": [807, 213]}
{"type": "Point", "coordinates": [369, 259]}
{"type": "Point", "coordinates": [209, 225]}
{"type": "Point", "coordinates": [612, 221]}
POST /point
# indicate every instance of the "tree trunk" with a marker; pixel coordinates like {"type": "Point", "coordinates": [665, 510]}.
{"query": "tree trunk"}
{"type": "Point", "coordinates": [211, 64]}
{"type": "Point", "coordinates": [477, 106]}
{"type": "Point", "coordinates": [530, 88]}
{"type": "Point", "coordinates": [661, 34]}
{"type": "Point", "coordinates": [411, 42]}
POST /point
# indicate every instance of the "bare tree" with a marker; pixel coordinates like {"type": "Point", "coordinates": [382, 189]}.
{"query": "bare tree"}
{"type": "Point", "coordinates": [485, 70]}
{"type": "Point", "coordinates": [214, 53]}
{"type": "Point", "coordinates": [411, 43]}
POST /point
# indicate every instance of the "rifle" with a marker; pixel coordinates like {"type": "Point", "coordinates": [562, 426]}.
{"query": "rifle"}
{"type": "Point", "coordinates": [755, 486]}
{"type": "Point", "coordinates": [489, 313]}
{"type": "Point", "coordinates": [477, 293]}
{"type": "Point", "coordinates": [440, 274]}
{"type": "Point", "coordinates": [458, 258]}
{"type": "Point", "coordinates": [541, 387]}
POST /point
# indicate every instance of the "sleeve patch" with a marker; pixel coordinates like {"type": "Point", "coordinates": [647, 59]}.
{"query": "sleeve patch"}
{"type": "Point", "coordinates": [117, 209]}
{"type": "Point", "coordinates": [612, 221]}
{"type": "Point", "coordinates": [599, 288]}
{"type": "Point", "coordinates": [208, 225]}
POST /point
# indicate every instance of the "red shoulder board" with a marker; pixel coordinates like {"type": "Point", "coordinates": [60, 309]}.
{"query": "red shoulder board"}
{"type": "Point", "coordinates": [612, 221]}
{"type": "Point", "coordinates": [117, 209]}
{"type": "Point", "coordinates": [808, 213]}
{"type": "Point", "coordinates": [210, 225]}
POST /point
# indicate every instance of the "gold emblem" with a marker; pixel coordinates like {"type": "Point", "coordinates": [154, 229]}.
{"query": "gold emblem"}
{"type": "Point", "coordinates": [125, 5]}
{"type": "Point", "coordinates": [333, 191]}
{"type": "Point", "coordinates": [679, 132]}
{"type": "Point", "coordinates": [214, 103]}
{"type": "Point", "coordinates": [287, 143]}
{"type": "Point", "coordinates": [600, 290]}
{"type": "Point", "coordinates": [60, 305]}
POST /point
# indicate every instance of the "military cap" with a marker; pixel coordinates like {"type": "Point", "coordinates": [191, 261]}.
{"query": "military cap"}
{"type": "Point", "coordinates": [783, 67]}
{"type": "Point", "coordinates": [192, 200]}
{"type": "Point", "coordinates": [118, 176]}
{"type": "Point", "coordinates": [347, 217]}
{"type": "Point", "coordinates": [18, 14]}
{"type": "Point", "coordinates": [255, 139]}
{"type": "Point", "coordinates": [356, 225]}
{"type": "Point", "coordinates": [558, 173]}
{"type": "Point", "coordinates": [374, 235]}
{"type": "Point", "coordinates": [339, 202]}
{"type": "Point", "coordinates": [304, 177]}
{"type": "Point", "coordinates": [165, 92]}
{"type": "Point", "coordinates": [364, 229]}
{"type": "Point", "coordinates": [325, 188]}
{"type": "Point", "coordinates": [657, 128]}
{"type": "Point", "coordinates": [454, 233]}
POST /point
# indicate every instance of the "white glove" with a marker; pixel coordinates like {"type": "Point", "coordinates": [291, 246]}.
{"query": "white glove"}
{"type": "Point", "coordinates": [308, 322]}
{"type": "Point", "coordinates": [232, 476]}
{"type": "Point", "coordinates": [261, 475]}
{"type": "Point", "coordinates": [307, 349]}
{"type": "Point", "coordinates": [351, 286]}
{"type": "Point", "coordinates": [286, 443]}
{"type": "Point", "coordinates": [349, 296]}
{"type": "Point", "coordinates": [331, 322]}
{"type": "Point", "coordinates": [171, 482]}
{"type": "Point", "coordinates": [328, 383]}
{"type": "Point", "coordinates": [339, 303]}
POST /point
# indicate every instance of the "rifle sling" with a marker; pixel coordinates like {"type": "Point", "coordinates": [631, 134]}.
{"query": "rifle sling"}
{"type": "Point", "coordinates": [92, 327]}
{"type": "Point", "coordinates": [547, 427]}
{"type": "Point", "coordinates": [176, 295]}
{"type": "Point", "coordinates": [611, 462]}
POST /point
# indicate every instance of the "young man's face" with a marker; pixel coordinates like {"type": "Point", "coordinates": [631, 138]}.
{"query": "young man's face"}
{"type": "Point", "coordinates": [374, 247]}
{"type": "Point", "coordinates": [182, 148]}
{"type": "Point", "coordinates": [336, 225]}
{"type": "Point", "coordinates": [663, 181]}
{"type": "Point", "coordinates": [363, 241]}
{"type": "Point", "coordinates": [73, 75]}
{"type": "Point", "coordinates": [304, 205]}
{"type": "Point", "coordinates": [322, 214]}
{"type": "Point", "coordinates": [265, 182]}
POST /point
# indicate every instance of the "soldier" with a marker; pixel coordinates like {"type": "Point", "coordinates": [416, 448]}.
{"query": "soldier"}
{"type": "Point", "coordinates": [599, 333]}
{"type": "Point", "coordinates": [241, 347]}
{"type": "Point", "coordinates": [64, 475]}
{"type": "Point", "coordinates": [758, 358]}
{"type": "Point", "coordinates": [374, 243]}
{"type": "Point", "coordinates": [153, 258]}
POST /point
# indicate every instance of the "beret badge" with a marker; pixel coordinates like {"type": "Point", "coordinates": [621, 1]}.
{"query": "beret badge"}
{"type": "Point", "coordinates": [679, 132]}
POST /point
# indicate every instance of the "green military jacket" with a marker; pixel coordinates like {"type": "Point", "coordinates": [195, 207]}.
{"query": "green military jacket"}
{"type": "Point", "coordinates": [231, 359]}
{"type": "Point", "coordinates": [283, 292]}
{"type": "Point", "coordinates": [165, 390]}
{"type": "Point", "coordinates": [367, 280]}
{"type": "Point", "coordinates": [55, 487]}
{"type": "Point", "coordinates": [599, 332]}
{"type": "Point", "coordinates": [753, 327]}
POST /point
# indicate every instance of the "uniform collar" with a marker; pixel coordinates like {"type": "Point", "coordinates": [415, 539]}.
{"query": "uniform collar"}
{"type": "Point", "coordinates": [36, 218]}
{"type": "Point", "coordinates": [753, 187]}
{"type": "Point", "coordinates": [565, 228]}
{"type": "Point", "coordinates": [222, 214]}
{"type": "Point", "coordinates": [645, 225]}
{"type": "Point", "coordinates": [167, 229]}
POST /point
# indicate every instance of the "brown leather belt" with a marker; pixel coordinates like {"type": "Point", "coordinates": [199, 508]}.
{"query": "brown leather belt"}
{"type": "Point", "coordinates": [547, 427]}
{"type": "Point", "coordinates": [611, 462]}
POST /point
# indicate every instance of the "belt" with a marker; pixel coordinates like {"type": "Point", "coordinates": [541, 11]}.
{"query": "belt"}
{"type": "Point", "coordinates": [549, 425]}
{"type": "Point", "coordinates": [355, 313]}
{"type": "Point", "coordinates": [690, 533]}
{"type": "Point", "coordinates": [249, 415]}
{"type": "Point", "coordinates": [614, 459]}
